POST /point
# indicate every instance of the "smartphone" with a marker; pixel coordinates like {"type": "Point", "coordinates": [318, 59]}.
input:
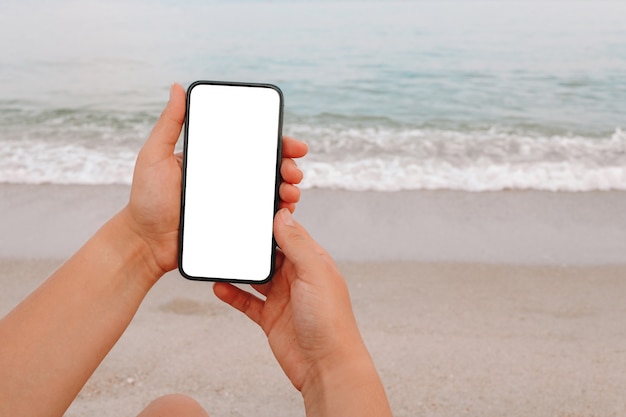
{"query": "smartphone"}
{"type": "Point", "coordinates": [231, 174]}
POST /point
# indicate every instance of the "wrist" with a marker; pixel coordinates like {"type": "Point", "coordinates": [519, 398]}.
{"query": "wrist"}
{"type": "Point", "coordinates": [347, 385]}
{"type": "Point", "coordinates": [134, 252]}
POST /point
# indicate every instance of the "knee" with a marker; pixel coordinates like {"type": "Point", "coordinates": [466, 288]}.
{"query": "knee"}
{"type": "Point", "coordinates": [174, 405]}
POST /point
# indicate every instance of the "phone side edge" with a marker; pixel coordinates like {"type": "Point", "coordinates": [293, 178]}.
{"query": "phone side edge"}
{"type": "Point", "coordinates": [181, 223]}
{"type": "Point", "coordinates": [278, 176]}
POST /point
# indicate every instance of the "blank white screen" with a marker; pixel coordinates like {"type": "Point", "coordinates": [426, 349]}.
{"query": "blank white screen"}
{"type": "Point", "coordinates": [231, 157]}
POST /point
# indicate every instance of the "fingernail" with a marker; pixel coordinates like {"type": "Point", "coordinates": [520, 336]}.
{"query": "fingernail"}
{"type": "Point", "coordinates": [171, 90]}
{"type": "Point", "coordinates": [285, 216]}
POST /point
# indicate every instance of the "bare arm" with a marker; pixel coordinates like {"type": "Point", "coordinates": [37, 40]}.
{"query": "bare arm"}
{"type": "Point", "coordinates": [54, 340]}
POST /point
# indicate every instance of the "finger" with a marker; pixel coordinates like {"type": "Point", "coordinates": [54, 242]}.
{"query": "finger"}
{"type": "Point", "coordinates": [167, 129]}
{"type": "Point", "coordinates": [289, 193]}
{"type": "Point", "coordinates": [280, 258]}
{"type": "Point", "coordinates": [243, 301]}
{"type": "Point", "coordinates": [290, 172]}
{"type": "Point", "coordinates": [263, 288]}
{"type": "Point", "coordinates": [293, 148]}
{"type": "Point", "coordinates": [289, 206]}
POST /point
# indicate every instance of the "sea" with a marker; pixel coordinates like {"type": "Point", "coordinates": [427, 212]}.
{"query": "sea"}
{"type": "Point", "coordinates": [466, 95]}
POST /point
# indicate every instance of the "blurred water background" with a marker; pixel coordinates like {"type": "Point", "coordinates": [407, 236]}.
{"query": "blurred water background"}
{"type": "Point", "coordinates": [390, 95]}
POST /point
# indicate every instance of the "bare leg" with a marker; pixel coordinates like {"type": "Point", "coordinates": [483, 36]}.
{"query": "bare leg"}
{"type": "Point", "coordinates": [174, 405]}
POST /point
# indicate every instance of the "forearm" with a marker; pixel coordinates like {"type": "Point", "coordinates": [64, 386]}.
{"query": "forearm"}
{"type": "Point", "coordinates": [52, 342]}
{"type": "Point", "coordinates": [346, 388]}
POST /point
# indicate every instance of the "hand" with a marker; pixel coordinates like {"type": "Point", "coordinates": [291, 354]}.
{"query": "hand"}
{"type": "Point", "coordinates": [153, 212]}
{"type": "Point", "coordinates": [307, 314]}
{"type": "Point", "coordinates": [310, 326]}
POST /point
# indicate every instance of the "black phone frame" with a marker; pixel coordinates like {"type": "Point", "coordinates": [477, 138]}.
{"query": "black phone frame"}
{"type": "Point", "coordinates": [184, 178]}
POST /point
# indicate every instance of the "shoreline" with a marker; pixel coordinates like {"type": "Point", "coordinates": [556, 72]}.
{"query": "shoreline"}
{"type": "Point", "coordinates": [509, 227]}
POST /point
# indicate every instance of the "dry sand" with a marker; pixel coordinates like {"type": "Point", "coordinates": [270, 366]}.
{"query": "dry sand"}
{"type": "Point", "coordinates": [534, 330]}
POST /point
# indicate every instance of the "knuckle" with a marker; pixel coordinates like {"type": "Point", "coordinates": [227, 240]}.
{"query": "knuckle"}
{"type": "Point", "coordinates": [245, 303]}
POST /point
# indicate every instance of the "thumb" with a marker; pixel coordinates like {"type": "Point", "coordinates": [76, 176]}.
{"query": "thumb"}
{"type": "Point", "coordinates": [167, 129]}
{"type": "Point", "coordinates": [295, 242]}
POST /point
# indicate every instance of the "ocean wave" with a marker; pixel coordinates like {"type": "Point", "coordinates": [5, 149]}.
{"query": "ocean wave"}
{"type": "Point", "coordinates": [392, 159]}
{"type": "Point", "coordinates": [376, 175]}
{"type": "Point", "coordinates": [69, 146]}
{"type": "Point", "coordinates": [40, 162]}
{"type": "Point", "coordinates": [388, 157]}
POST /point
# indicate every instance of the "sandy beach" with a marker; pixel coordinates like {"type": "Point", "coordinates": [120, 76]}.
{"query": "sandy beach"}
{"type": "Point", "coordinates": [478, 304]}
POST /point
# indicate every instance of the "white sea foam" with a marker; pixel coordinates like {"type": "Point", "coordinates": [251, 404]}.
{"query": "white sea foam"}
{"type": "Point", "coordinates": [388, 159]}
{"type": "Point", "coordinates": [39, 162]}
{"type": "Point", "coordinates": [369, 158]}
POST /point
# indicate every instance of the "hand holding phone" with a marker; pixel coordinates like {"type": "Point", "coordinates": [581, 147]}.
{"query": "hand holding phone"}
{"type": "Point", "coordinates": [230, 181]}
